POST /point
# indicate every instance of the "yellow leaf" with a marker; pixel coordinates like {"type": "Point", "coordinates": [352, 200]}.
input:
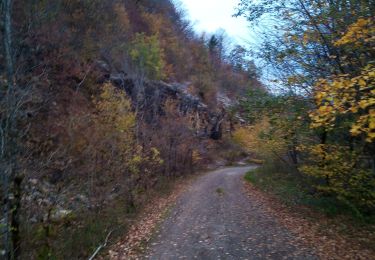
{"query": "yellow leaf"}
{"type": "Point", "coordinates": [356, 130]}
{"type": "Point", "coordinates": [362, 83]}
{"type": "Point", "coordinates": [370, 137]}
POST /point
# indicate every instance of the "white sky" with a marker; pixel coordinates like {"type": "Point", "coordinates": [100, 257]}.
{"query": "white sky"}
{"type": "Point", "coordinates": [211, 15]}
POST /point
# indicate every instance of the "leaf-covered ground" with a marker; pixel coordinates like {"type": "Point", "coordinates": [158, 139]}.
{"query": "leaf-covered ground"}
{"type": "Point", "coordinates": [215, 219]}
{"type": "Point", "coordinates": [220, 216]}
{"type": "Point", "coordinates": [331, 238]}
{"type": "Point", "coordinates": [141, 232]}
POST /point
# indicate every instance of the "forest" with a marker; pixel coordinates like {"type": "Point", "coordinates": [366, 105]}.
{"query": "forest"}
{"type": "Point", "coordinates": [321, 122]}
{"type": "Point", "coordinates": [105, 105]}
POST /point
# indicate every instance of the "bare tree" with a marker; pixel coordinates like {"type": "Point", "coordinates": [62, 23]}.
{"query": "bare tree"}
{"type": "Point", "coordinates": [11, 102]}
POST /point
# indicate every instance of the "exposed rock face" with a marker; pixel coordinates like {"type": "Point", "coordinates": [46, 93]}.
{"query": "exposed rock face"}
{"type": "Point", "coordinates": [205, 121]}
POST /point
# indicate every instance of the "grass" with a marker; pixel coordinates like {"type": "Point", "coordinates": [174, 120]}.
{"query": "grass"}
{"type": "Point", "coordinates": [220, 191]}
{"type": "Point", "coordinates": [292, 188]}
{"type": "Point", "coordinates": [296, 191]}
{"type": "Point", "coordinates": [79, 236]}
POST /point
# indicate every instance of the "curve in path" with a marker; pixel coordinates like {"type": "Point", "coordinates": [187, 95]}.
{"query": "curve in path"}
{"type": "Point", "coordinates": [215, 219]}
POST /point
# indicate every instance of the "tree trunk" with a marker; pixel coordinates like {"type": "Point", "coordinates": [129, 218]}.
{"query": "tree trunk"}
{"type": "Point", "coordinates": [15, 220]}
{"type": "Point", "coordinates": [7, 9]}
{"type": "Point", "coordinates": [11, 181]}
{"type": "Point", "coordinates": [323, 140]}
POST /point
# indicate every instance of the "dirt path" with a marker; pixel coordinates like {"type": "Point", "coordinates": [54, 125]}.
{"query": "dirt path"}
{"type": "Point", "coordinates": [215, 219]}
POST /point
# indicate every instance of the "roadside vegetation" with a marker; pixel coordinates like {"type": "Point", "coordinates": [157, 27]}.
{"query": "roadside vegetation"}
{"type": "Point", "coordinates": [295, 191]}
{"type": "Point", "coordinates": [315, 128]}
{"type": "Point", "coordinates": [102, 103]}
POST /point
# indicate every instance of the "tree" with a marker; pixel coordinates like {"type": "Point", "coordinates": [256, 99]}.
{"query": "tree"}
{"type": "Point", "coordinates": [350, 95]}
{"type": "Point", "coordinates": [323, 53]}
{"type": "Point", "coordinates": [300, 49]}
{"type": "Point", "coordinates": [237, 58]}
{"type": "Point", "coordinates": [147, 56]}
{"type": "Point", "coordinates": [13, 127]}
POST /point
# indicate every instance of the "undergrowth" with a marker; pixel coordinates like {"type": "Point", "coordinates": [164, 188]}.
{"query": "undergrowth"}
{"type": "Point", "coordinates": [78, 236]}
{"type": "Point", "coordinates": [294, 188]}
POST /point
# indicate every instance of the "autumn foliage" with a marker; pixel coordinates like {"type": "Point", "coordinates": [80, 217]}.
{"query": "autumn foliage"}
{"type": "Point", "coordinates": [321, 60]}
{"type": "Point", "coordinates": [87, 120]}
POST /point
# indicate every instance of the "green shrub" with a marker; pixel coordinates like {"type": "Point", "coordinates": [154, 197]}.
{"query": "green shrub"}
{"type": "Point", "coordinates": [294, 188]}
{"type": "Point", "coordinates": [336, 169]}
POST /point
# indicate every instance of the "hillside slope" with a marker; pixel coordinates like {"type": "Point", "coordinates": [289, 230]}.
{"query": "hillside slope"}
{"type": "Point", "coordinates": [103, 102]}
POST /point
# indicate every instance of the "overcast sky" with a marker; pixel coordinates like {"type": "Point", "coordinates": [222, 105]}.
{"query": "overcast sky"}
{"type": "Point", "coordinates": [211, 15]}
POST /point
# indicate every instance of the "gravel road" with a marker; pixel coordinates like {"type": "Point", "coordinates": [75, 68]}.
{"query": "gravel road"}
{"type": "Point", "coordinates": [215, 219]}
